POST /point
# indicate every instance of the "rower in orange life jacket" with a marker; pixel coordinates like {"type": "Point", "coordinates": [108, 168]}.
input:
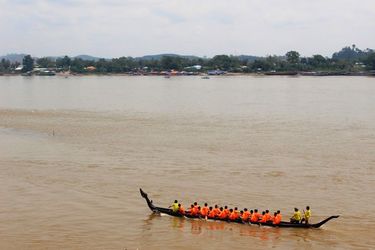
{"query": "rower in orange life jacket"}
{"type": "Point", "coordinates": [204, 210]}
{"type": "Point", "coordinates": [196, 204]}
{"type": "Point", "coordinates": [211, 213]}
{"type": "Point", "coordinates": [255, 216]}
{"type": "Point", "coordinates": [278, 218]}
{"type": "Point", "coordinates": [222, 214]}
{"type": "Point", "coordinates": [273, 217]}
{"type": "Point", "coordinates": [216, 210]}
{"type": "Point", "coordinates": [191, 210]}
{"type": "Point", "coordinates": [232, 215]}
{"type": "Point", "coordinates": [263, 218]}
{"type": "Point", "coordinates": [236, 212]}
{"type": "Point", "coordinates": [194, 211]}
{"type": "Point", "coordinates": [226, 210]}
{"type": "Point", "coordinates": [268, 216]}
{"type": "Point", "coordinates": [245, 215]}
{"type": "Point", "coordinates": [251, 214]}
{"type": "Point", "coordinates": [181, 209]}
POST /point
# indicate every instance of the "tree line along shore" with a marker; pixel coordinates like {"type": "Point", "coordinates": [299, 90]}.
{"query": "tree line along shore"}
{"type": "Point", "coordinates": [349, 60]}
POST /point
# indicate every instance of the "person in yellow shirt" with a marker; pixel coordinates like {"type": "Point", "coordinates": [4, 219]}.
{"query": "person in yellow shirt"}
{"type": "Point", "coordinates": [307, 215]}
{"type": "Point", "coordinates": [297, 217]}
{"type": "Point", "coordinates": [174, 206]}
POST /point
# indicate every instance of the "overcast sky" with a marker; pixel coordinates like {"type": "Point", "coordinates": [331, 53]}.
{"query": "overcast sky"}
{"type": "Point", "coordinates": [117, 28]}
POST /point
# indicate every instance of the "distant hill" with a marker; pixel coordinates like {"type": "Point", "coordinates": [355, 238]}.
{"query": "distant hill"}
{"type": "Point", "coordinates": [18, 57]}
{"type": "Point", "coordinates": [83, 57]}
{"type": "Point", "coordinates": [13, 57]}
{"type": "Point", "coordinates": [88, 58]}
{"type": "Point", "coordinates": [158, 57]}
{"type": "Point", "coordinates": [248, 58]}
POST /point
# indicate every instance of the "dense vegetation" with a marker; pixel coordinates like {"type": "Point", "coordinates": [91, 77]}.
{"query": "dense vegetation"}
{"type": "Point", "coordinates": [348, 59]}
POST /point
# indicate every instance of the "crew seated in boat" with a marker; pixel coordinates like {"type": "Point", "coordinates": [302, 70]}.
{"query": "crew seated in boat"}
{"type": "Point", "coordinates": [277, 218]}
{"type": "Point", "coordinates": [216, 210]}
{"type": "Point", "coordinates": [223, 214]}
{"type": "Point", "coordinates": [193, 211]}
{"type": "Point", "coordinates": [181, 209]}
{"type": "Point", "coordinates": [204, 210]}
{"type": "Point", "coordinates": [174, 206]}
{"type": "Point", "coordinates": [211, 213]}
{"type": "Point", "coordinates": [246, 215]}
{"type": "Point", "coordinates": [233, 215]}
{"type": "Point", "coordinates": [226, 210]}
{"type": "Point", "coordinates": [255, 216]}
{"type": "Point", "coordinates": [196, 204]}
{"type": "Point", "coordinates": [306, 215]}
{"type": "Point", "coordinates": [268, 216]}
{"type": "Point", "coordinates": [263, 218]}
{"type": "Point", "coordinates": [296, 218]}
{"type": "Point", "coordinates": [273, 217]}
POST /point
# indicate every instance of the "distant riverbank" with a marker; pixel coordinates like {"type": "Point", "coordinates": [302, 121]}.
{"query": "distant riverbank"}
{"type": "Point", "coordinates": [320, 73]}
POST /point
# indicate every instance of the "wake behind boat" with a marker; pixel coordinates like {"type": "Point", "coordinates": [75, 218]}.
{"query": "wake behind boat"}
{"type": "Point", "coordinates": [170, 212]}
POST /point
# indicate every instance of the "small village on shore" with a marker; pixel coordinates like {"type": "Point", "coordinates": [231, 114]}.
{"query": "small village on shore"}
{"type": "Point", "coordinates": [349, 61]}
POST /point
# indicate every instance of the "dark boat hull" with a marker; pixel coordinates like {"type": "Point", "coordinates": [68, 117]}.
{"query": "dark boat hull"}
{"type": "Point", "coordinates": [239, 221]}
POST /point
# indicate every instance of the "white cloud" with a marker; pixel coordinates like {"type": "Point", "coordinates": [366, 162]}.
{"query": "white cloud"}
{"type": "Point", "coordinates": [115, 28]}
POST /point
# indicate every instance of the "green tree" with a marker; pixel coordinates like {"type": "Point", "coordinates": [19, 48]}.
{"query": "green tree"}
{"type": "Point", "coordinates": [349, 54]}
{"type": "Point", "coordinates": [317, 61]}
{"type": "Point", "coordinates": [5, 65]}
{"type": "Point", "coordinates": [292, 57]}
{"type": "Point", "coordinates": [370, 61]}
{"type": "Point", "coordinates": [28, 63]}
{"type": "Point", "coordinates": [225, 62]}
{"type": "Point", "coordinates": [64, 62]}
{"type": "Point", "coordinates": [171, 62]}
{"type": "Point", "coordinates": [45, 62]}
{"type": "Point", "coordinates": [78, 65]}
{"type": "Point", "coordinates": [103, 66]}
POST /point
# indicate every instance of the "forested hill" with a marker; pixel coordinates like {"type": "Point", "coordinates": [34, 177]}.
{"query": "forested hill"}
{"type": "Point", "coordinates": [351, 53]}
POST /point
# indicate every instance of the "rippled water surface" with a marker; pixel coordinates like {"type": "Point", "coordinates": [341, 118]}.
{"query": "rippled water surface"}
{"type": "Point", "coordinates": [74, 152]}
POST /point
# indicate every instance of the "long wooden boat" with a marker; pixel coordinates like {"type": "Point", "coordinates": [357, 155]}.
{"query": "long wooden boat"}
{"type": "Point", "coordinates": [169, 211]}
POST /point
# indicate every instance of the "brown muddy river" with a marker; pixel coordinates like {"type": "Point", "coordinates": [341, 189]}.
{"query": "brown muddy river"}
{"type": "Point", "coordinates": [75, 151]}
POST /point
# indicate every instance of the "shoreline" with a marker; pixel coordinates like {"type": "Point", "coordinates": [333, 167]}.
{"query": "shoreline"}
{"type": "Point", "coordinates": [268, 74]}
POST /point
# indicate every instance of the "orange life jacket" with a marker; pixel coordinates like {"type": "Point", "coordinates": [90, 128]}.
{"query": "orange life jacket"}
{"type": "Point", "coordinates": [245, 215]}
{"type": "Point", "coordinates": [211, 214]}
{"type": "Point", "coordinates": [255, 217]}
{"type": "Point", "coordinates": [233, 216]}
{"type": "Point", "coordinates": [204, 211]}
{"type": "Point", "coordinates": [223, 215]}
{"type": "Point", "coordinates": [194, 211]}
{"type": "Point", "coordinates": [227, 211]}
{"type": "Point", "coordinates": [277, 219]}
{"type": "Point", "coordinates": [273, 218]}
{"type": "Point", "coordinates": [268, 217]}
{"type": "Point", "coordinates": [264, 219]}
{"type": "Point", "coordinates": [216, 211]}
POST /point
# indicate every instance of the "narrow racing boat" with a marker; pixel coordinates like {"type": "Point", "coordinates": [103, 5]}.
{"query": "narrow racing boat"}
{"type": "Point", "coordinates": [169, 211]}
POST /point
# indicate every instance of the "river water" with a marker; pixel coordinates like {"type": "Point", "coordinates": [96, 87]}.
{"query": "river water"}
{"type": "Point", "coordinates": [75, 151]}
